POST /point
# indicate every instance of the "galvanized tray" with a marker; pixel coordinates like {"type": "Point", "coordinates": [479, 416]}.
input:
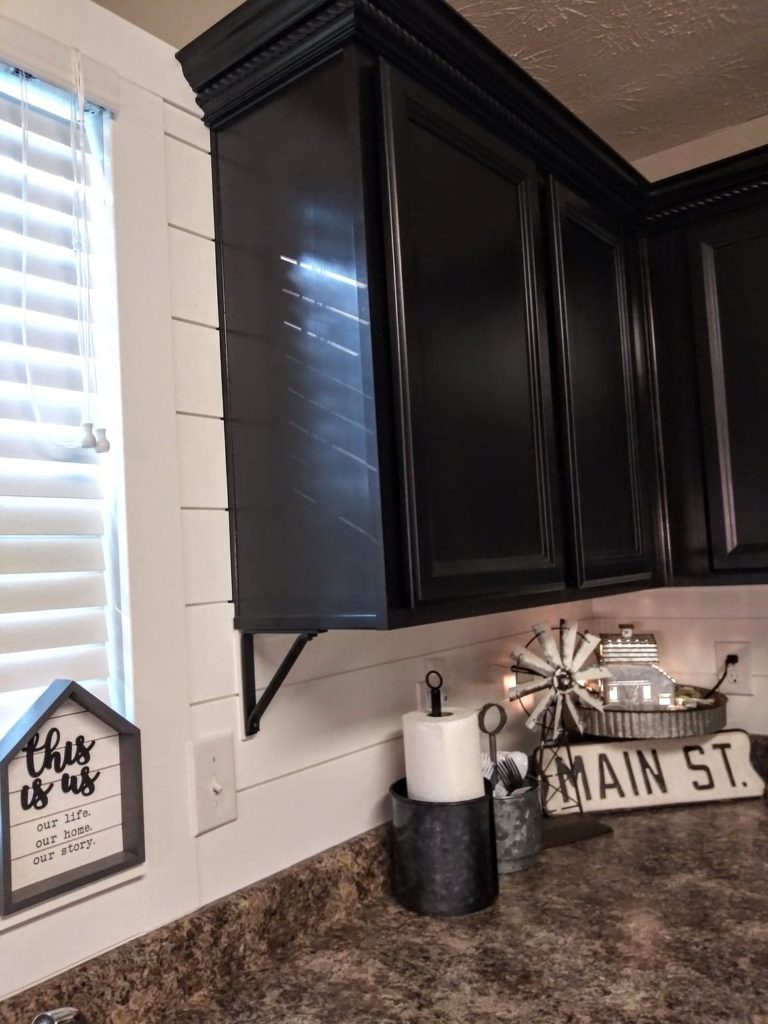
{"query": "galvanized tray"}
{"type": "Point", "coordinates": [656, 723]}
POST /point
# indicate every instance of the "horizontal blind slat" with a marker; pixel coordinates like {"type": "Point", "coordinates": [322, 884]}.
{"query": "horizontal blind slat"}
{"type": "Point", "coordinates": [46, 554]}
{"type": "Point", "coordinates": [40, 631]}
{"type": "Point", "coordinates": [20, 672]}
{"type": "Point", "coordinates": [43, 153]}
{"type": "Point", "coordinates": [40, 123]}
{"type": "Point", "coordinates": [66, 517]}
{"type": "Point", "coordinates": [27, 478]}
{"type": "Point", "coordinates": [40, 405]}
{"type": "Point", "coordinates": [41, 443]}
{"type": "Point", "coordinates": [31, 593]}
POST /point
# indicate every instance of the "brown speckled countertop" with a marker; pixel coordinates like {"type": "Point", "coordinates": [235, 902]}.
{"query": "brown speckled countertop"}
{"type": "Point", "coordinates": [663, 922]}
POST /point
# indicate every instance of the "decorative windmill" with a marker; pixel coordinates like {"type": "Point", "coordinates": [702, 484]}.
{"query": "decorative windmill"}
{"type": "Point", "coordinates": [559, 670]}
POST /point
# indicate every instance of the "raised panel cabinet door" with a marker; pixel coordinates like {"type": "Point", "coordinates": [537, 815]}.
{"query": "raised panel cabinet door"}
{"type": "Point", "coordinates": [471, 372]}
{"type": "Point", "coordinates": [601, 389]}
{"type": "Point", "coordinates": [729, 268]}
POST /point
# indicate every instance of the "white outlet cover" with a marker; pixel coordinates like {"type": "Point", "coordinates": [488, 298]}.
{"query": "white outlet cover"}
{"type": "Point", "coordinates": [742, 685]}
{"type": "Point", "coordinates": [212, 775]}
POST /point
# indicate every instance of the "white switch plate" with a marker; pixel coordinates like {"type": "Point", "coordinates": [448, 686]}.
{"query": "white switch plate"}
{"type": "Point", "coordinates": [738, 680]}
{"type": "Point", "coordinates": [214, 797]}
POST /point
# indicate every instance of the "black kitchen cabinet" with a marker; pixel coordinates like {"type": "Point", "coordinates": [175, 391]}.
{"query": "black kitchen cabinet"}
{"type": "Point", "coordinates": [603, 392]}
{"type": "Point", "coordinates": [466, 286]}
{"type": "Point", "coordinates": [388, 411]}
{"type": "Point", "coordinates": [391, 293]}
{"type": "Point", "coordinates": [710, 310]}
{"type": "Point", "coordinates": [729, 269]}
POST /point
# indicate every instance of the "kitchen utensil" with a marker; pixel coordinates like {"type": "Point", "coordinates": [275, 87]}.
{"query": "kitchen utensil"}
{"type": "Point", "coordinates": [491, 733]}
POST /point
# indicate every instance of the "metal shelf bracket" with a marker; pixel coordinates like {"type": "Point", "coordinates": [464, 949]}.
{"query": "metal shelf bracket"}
{"type": "Point", "coordinates": [253, 705]}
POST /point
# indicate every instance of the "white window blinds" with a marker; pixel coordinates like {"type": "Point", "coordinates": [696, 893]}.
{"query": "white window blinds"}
{"type": "Point", "coordinates": [57, 568]}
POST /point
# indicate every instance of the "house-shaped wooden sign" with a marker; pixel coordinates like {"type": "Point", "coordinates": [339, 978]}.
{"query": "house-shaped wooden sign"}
{"type": "Point", "coordinates": [70, 797]}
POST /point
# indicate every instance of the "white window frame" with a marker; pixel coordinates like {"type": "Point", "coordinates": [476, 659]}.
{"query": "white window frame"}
{"type": "Point", "coordinates": [117, 57]}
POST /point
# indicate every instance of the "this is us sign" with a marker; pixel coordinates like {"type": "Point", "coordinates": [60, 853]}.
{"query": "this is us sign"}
{"type": "Point", "coordinates": [70, 797]}
{"type": "Point", "coordinates": [630, 774]}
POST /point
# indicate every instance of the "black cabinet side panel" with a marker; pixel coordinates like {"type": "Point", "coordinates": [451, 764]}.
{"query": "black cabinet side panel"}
{"type": "Point", "coordinates": [475, 395]}
{"type": "Point", "coordinates": [300, 419]}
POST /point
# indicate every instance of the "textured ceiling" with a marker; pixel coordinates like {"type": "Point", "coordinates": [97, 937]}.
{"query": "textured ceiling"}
{"type": "Point", "coordinates": [644, 74]}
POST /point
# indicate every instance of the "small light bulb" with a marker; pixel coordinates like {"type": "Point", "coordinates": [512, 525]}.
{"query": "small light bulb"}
{"type": "Point", "coordinates": [510, 682]}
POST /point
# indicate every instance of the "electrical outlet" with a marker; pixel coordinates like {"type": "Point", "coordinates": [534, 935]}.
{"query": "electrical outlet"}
{"type": "Point", "coordinates": [214, 797]}
{"type": "Point", "coordinates": [738, 679]}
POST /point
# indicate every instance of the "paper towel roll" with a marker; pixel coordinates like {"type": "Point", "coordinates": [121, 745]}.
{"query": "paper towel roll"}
{"type": "Point", "coordinates": [442, 756]}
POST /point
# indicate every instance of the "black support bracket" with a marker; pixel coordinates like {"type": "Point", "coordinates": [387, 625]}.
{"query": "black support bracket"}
{"type": "Point", "coordinates": [253, 705]}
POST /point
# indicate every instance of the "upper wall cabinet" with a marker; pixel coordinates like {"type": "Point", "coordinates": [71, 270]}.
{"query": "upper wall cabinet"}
{"type": "Point", "coordinates": [386, 294]}
{"type": "Point", "coordinates": [478, 462]}
{"type": "Point", "coordinates": [603, 393]}
{"type": "Point", "coordinates": [728, 262]}
{"type": "Point", "coordinates": [708, 274]}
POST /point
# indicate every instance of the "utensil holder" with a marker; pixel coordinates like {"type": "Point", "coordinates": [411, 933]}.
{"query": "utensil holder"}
{"type": "Point", "coordinates": [444, 854]}
{"type": "Point", "coordinates": [517, 823]}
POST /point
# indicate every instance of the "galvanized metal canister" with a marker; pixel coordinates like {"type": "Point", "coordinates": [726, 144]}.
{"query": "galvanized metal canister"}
{"type": "Point", "coordinates": [444, 854]}
{"type": "Point", "coordinates": [518, 829]}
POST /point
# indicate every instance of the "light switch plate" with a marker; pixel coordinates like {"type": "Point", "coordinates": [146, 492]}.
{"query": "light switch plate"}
{"type": "Point", "coordinates": [214, 796]}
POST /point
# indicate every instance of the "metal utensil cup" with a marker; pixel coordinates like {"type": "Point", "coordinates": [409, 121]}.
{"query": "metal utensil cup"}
{"type": "Point", "coordinates": [517, 824]}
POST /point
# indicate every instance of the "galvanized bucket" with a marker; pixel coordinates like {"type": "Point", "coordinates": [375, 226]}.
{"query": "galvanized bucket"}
{"type": "Point", "coordinates": [443, 854]}
{"type": "Point", "coordinates": [518, 829]}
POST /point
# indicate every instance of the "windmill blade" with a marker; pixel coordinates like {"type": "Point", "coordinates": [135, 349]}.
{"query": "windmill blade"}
{"type": "Point", "coordinates": [541, 707]}
{"type": "Point", "coordinates": [568, 634]}
{"type": "Point", "coordinates": [598, 672]}
{"type": "Point", "coordinates": [524, 689]}
{"type": "Point", "coordinates": [587, 646]}
{"type": "Point", "coordinates": [587, 697]}
{"type": "Point", "coordinates": [558, 716]}
{"type": "Point", "coordinates": [574, 711]}
{"type": "Point", "coordinates": [530, 661]}
{"type": "Point", "coordinates": [548, 644]}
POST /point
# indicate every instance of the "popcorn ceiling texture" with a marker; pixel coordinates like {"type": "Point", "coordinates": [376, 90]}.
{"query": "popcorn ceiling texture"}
{"type": "Point", "coordinates": [644, 74]}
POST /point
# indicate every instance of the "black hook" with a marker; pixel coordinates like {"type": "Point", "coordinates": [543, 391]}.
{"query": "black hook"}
{"type": "Point", "coordinates": [434, 694]}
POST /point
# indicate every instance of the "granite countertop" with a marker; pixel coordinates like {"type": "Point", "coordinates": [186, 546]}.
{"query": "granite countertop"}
{"type": "Point", "coordinates": [664, 922]}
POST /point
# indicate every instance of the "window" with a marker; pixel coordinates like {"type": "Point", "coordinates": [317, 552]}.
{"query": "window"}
{"type": "Point", "coordinates": [59, 612]}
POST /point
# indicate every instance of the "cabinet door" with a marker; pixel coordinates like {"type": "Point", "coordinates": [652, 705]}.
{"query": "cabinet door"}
{"type": "Point", "coordinates": [601, 383]}
{"type": "Point", "coordinates": [471, 370]}
{"type": "Point", "coordinates": [729, 258]}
